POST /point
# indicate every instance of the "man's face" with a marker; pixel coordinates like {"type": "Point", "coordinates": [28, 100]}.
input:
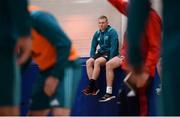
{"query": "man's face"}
{"type": "Point", "coordinates": [103, 24]}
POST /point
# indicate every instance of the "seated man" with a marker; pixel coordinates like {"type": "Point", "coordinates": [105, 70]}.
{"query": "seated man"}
{"type": "Point", "coordinates": [107, 39]}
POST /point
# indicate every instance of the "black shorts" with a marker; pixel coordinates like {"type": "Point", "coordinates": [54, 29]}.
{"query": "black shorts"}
{"type": "Point", "coordinates": [97, 55]}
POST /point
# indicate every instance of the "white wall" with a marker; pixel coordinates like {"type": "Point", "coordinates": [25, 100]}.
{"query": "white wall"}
{"type": "Point", "coordinates": [78, 18]}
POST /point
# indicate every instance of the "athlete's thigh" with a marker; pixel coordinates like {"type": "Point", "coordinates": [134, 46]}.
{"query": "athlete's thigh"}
{"type": "Point", "coordinates": [114, 62]}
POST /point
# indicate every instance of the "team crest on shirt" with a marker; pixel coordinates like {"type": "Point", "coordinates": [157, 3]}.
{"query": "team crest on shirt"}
{"type": "Point", "coordinates": [106, 37]}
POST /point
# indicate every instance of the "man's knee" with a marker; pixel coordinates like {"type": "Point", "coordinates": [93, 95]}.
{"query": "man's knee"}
{"type": "Point", "coordinates": [109, 65]}
{"type": "Point", "coordinates": [97, 62]}
{"type": "Point", "coordinates": [90, 62]}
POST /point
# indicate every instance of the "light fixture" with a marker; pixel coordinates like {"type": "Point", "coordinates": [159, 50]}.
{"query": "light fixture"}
{"type": "Point", "coordinates": [83, 1]}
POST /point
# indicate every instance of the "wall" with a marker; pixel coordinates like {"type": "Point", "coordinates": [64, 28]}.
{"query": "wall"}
{"type": "Point", "coordinates": [78, 18]}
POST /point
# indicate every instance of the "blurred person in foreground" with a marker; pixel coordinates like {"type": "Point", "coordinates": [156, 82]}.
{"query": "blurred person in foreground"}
{"type": "Point", "coordinates": [60, 70]}
{"type": "Point", "coordinates": [14, 40]}
{"type": "Point", "coordinates": [138, 15]}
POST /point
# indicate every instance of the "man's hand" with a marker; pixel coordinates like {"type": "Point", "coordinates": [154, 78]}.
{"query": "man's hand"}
{"type": "Point", "coordinates": [23, 49]}
{"type": "Point", "coordinates": [140, 79]}
{"type": "Point", "coordinates": [139, 76]}
{"type": "Point", "coordinates": [50, 85]}
{"type": "Point", "coordinates": [121, 59]}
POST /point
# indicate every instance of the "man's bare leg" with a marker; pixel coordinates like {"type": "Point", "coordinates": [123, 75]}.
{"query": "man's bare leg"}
{"type": "Point", "coordinates": [44, 112]}
{"type": "Point", "coordinates": [61, 112]}
{"type": "Point", "coordinates": [110, 66]}
{"type": "Point", "coordinates": [101, 61]}
{"type": "Point", "coordinates": [90, 67]}
{"type": "Point", "coordinates": [9, 111]}
{"type": "Point", "coordinates": [91, 88]}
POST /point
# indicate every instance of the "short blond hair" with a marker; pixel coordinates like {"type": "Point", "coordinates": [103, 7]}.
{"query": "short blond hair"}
{"type": "Point", "coordinates": [103, 17]}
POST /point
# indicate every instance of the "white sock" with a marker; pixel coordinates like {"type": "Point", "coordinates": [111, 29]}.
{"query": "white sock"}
{"type": "Point", "coordinates": [109, 90]}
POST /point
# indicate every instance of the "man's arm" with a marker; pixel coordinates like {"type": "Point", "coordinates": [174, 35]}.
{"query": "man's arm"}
{"type": "Point", "coordinates": [120, 5]}
{"type": "Point", "coordinates": [21, 19]}
{"type": "Point", "coordinates": [153, 31]}
{"type": "Point", "coordinates": [114, 50]}
{"type": "Point", "coordinates": [94, 44]}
